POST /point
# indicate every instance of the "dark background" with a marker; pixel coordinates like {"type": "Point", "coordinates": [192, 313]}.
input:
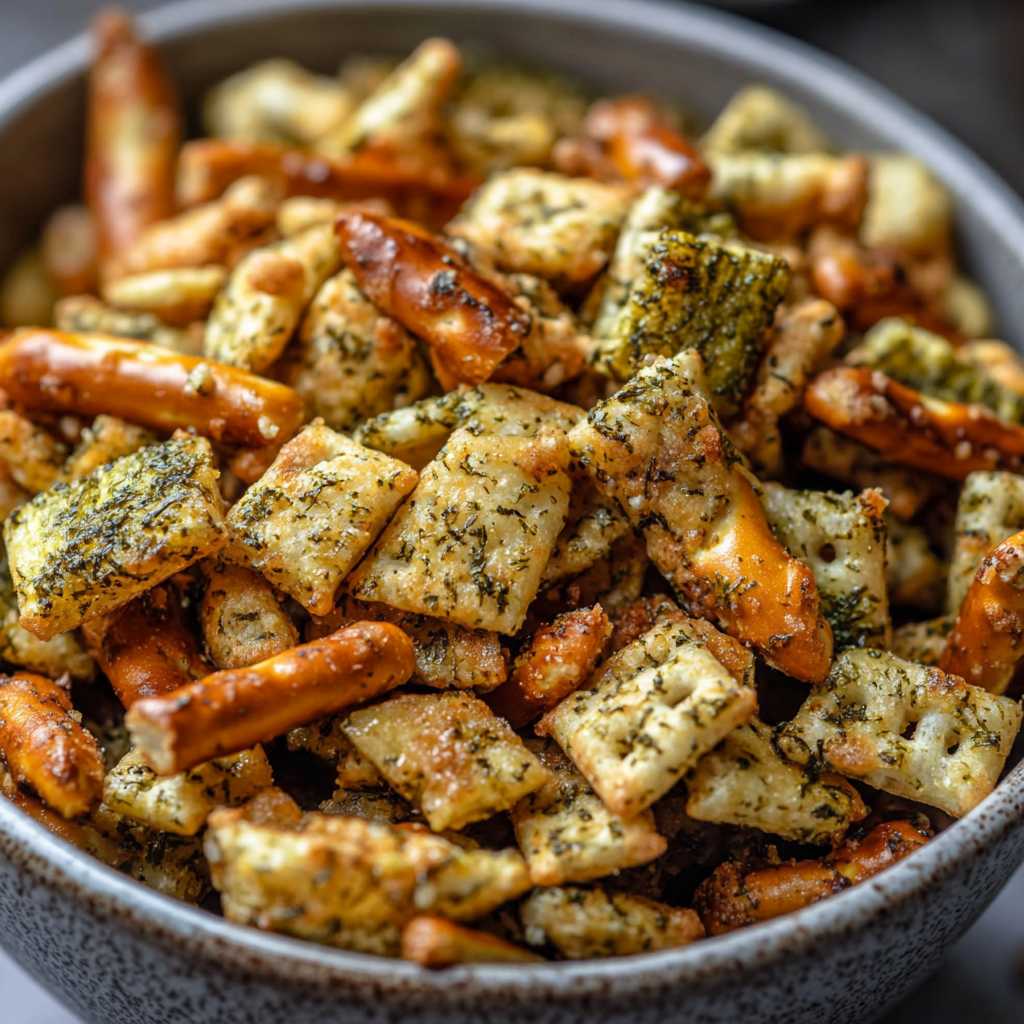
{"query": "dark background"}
{"type": "Point", "coordinates": [961, 62]}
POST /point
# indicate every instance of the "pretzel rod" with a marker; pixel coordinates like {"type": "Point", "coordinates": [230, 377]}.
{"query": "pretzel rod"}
{"type": "Point", "coordinates": [92, 374]}
{"type": "Point", "coordinates": [46, 747]}
{"type": "Point", "coordinates": [469, 323]}
{"type": "Point", "coordinates": [208, 166]}
{"type": "Point", "coordinates": [908, 428]}
{"type": "Point", "coordinates": [235, 709]}
{"type": "Point", "coordinates": [987, 638]}
{"type": "Point", "coordinates": [145, 647]}
{"type": "Point", "coordinates": [132, 138]}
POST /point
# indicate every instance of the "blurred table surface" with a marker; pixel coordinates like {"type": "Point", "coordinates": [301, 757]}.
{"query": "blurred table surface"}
{"type": "Point", "coordinates": [960, 63]}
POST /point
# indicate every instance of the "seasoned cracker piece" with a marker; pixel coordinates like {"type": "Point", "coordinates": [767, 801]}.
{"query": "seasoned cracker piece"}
{"type": "Point", "coordinates": [349, 361]}
{"type": "Point", "coordinates": [656, 707]}
{"type": "Point", "coordinates": [447, 655]}
{"type": "Point", "coordinates": [842, 538]}
{"type": "Point", "coordinates": [32, 455]}
{"type": "Point", "coordinates": [657, 448]}
{"type": "Point", "coordinates": [840, 458]}
{"type": "Point", "coordinates": [447, 754]}
{"type": "Point", "coordinates": [537, 222]}
{"type": "Point", "coordinates": [990, 510]}
{"type": "Point", "coordinates": [586, 923]}
{"type": "Point", "coordinates": [85, 314]}
{"type": "Point", "coordinates": [434, 942]}
{"type": "Point", "coordinates": [921, 642]}
{"type": "Point", "coordinates": [348, 882]}
{"type": "Point", "coordinates": [241, 617]}
{"type": "Point", "coordinates": [1000, 361]}
{"type": "Point", "coordinates": [471, 543]}
{"type": "Point", "coordinates": [615, 581]}
{"type": "Point", "coordinates": [857, 722]}
{"type": "Point", "coordinates": [914, 574]}
{"type": "Point", "coordinates": [718, 298]}
{"type": "Point", "coordinates": [930, 364]}
{"type": "Point", "coordinates": [314, 513]}
{"type": "Point", "coordinates": [568, 835]}
{"type": "Point", "coordinates": [326, 739]}
{"type": "Point", "coordinates": [172, 865]}
{"type": "Point", "coordinates": [418, 432]}
{"type": "Point", "coordinates": [761, 118]}
{"type": "Point", "coordinates": [106, 441]}
{"type": "Point", "coordinates": [383, 804]}
{"type": "Point", "coordinates": [908, 210]}
{"type": "Point", "coordinates": [263, 301]}
{"type": "Point", "coordinates": [85, 548]}
{"type": "Point", "coordinates": [181, 803]}
{"type": "Point", "coordinates": [743, 781]}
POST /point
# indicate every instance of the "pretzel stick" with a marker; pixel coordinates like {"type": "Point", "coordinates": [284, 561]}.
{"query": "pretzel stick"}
{"type": "Point", "coordinates": [133, 134]}
{"type": "Point", "coordinates": [469, 323]}
{"type": "Point", "coordinates": [434, 942]}
{"type": "Point", "coordinates": [91, 374]}
{"type": "Point", "coordinates": [911, 429]}
{"type": "Point", "coordinates": [987, 639]}
{"type": "Point", "coordinates": [235, 709]}
{"type": "Point", "coordinates": [145, 647]}
{"type": "Point", "coordinates": [46, 747]}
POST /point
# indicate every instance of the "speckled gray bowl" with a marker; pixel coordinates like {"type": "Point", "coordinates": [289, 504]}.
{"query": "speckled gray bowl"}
{"type": "Point", "coordinates": [116, 953]}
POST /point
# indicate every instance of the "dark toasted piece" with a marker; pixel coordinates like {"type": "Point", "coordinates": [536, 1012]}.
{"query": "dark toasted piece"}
{"type": "Point", "coordinates": [45, 745]}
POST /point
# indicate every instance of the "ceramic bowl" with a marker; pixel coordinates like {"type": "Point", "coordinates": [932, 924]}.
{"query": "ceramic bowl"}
{"type": "Point", "coordinates": [117, 953]}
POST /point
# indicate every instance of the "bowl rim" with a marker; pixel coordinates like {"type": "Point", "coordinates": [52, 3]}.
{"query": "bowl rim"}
{"type": "Point", "coordinates": [81, 878]}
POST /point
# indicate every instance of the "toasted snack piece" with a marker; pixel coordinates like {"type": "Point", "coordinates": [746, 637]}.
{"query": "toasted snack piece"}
{"type": "Point", "coordinates": [349, 361]}
{"type": "Point", "coordinates": [82, 549]}
{"type": "Point", "coordinates": [45, 746]}
{"type": "Point", "coordinates": [297, 213]}
{"type": "Point", "coordinates": [914, 574]}
{"type": "Point", "coordinates": [718, 298]}
{"type": "Point", "coordinates": [33, 455]}
{"type": "Point", "coordinates": [803, 339]}
{"type": "Point", "coordinates": [276, 101]}
{"type": "Point", "coordinates": [90, 374]}
{"type": "Point", "coordinates": [213, 234]}
{"type": "Point", "coordinates": [447, 754]}
{"type": "Point", "coordinates": [585, 923]}
{"type": "Point", "coordinates": [326, 738]}
{"type": "Point", "coordinates": [654, 710]}
{"type": "Point", "coordinates": [27, 295]}
{"type": "Point", "coordinates": [559, 658]}
{"type": "Point", "coordinates": [908, 210]}
{"type": "Point", "coordinates": [106, 441]}
{"type": "Point", "coordinates": [1000, 361]}
{"type": "Point", "coordinates": [761, 118]}
{"type": "Point", "coordinates": [745, 782]}
{"type": "Point", "coordinates": [472, 541]}
{"type": "Point", "coordinates": [132, 134]}
{"type": "Point", "coordinates": [172, 865]}
{"type": "Point", "coordinates": [447, 655]}
{"type": "Point", "coordinates": [537, 222]}
{"type": "Point", "coordinates": [264, 299]}
{"type": "Point", "coordinates": [777, 195]}
{"type": "Point", "coordinates": [733, 898]}
{"type": "Point", "coordinates": [241, 617]}
{"type": "Point", "coordinates": [146, 648]}
{"type": "Point", "coordinates": [469, 323]}
{"type": "Point", "coordinates": [930, 364]}
{"type": "Point", "coordinates": [12, 494]}
{"type": "Point", "coordinates": [70, 250]}
{"type": "Point", "coordinates": [178, 296]}
{"type": "Point", "coordinates": [568, 835]}
{"type": "Point", "coordinates": [946, 438]}
{"type": "Point", "coordinates": [65, 653]}
{"type": "Point", "coordinates": [658, 448]}
{"type": "Point", "coordinates": [313, 514]}
{"type": "Point", "coordinates": [987, 638]}
{"type": "Point", "coordinates": [418, 432]}
{"type": "Point", "coordinates": [838, 457]}
{"type": "Point", "coordinates": [348, 882]}
{"type": "Point", "coordinates": [434, 942]}
{"type": "Point", "coordinates": [383, 804]}
{"type": "Point", "coordinates": [921, 642]}
{"type": "Point", "coordinates": [86, 314]}
{"type": "Point", "coordinates": [842, 538]}
{"type": "Point", "coordinates": [180, 804]}
{"type": "Point", "coordinates": [234, 709]}
{"type": "Point", "coordinates": [858, 720]}
{"type": "Point", "coordinates": [989, 511]}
